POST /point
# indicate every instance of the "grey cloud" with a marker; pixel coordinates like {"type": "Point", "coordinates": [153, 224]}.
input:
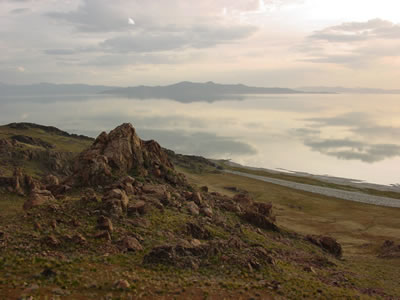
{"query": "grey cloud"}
{"type": "Point", "coordinates": [360, 39]}
{"type": "Point", "coordinates": [60, 51]}
{"type": "Point", "coordinates": [378, 131]}
{"type": "Point", "coordinates": [355, 150]}
{"type": "Point", "coordinates": [94, 16]}
{"type": "Point", "coordinates": [359, 31]}
{"type": "Point", "coordinates": [20, 11]}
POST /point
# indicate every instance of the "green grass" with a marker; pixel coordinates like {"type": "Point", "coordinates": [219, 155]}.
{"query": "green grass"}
{"type": "Point", "coordinates": [61, 143]}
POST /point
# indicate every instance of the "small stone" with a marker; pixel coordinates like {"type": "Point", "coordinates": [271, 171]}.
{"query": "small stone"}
{"type": "Point", "coordinates": [197, 198]}
{"type": "Point", "coordinates": [79, 238]}
{"type": "Point", "coordinates": [53, 224]}
{"type": "Point", "coordinates": [131, 244]}
{"type": "Point", "coordinates": [103, 235]}
{"type": "Point", "coordinates": [204, 189]}
{"type": "Point", "coordinates": [122, 284]}
{"type": "Point", "coordinates": [52, 241]}
{"type": "Point", "coordinates": [207, 212]}
{"type": "Point", "coordinates": [195, 243]}
{"type": "Point", "coordinates": [105, 223]}
{"type": "Point", "coordinates": [137, 207]}
{"type": "Point", "coordinates": [193, 208]}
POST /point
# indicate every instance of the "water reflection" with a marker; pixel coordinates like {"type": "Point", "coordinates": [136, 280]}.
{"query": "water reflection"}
{"type": "Point", "coordinates": [342, 135]}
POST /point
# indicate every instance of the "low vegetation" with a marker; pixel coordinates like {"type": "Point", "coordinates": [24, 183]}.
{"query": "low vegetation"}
{"type": "Point", "coordinates": [184, 232]}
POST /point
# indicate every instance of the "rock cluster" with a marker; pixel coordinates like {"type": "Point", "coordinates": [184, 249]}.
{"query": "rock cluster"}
{"type": "Point", "coordinates": [327, 243]}
{"type": "Point", "coordinates": [119, 153]}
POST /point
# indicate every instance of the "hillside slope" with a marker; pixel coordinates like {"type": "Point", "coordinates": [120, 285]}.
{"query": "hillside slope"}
{"type": "Point", "coordinates": [131, 220]}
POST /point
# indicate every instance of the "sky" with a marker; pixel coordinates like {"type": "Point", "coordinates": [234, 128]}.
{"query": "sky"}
{"type": "Point", "coordinates": [286, 43]}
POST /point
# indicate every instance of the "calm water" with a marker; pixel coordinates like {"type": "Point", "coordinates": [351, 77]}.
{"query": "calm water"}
{"type": "Point", "coordinates": [352, 136]}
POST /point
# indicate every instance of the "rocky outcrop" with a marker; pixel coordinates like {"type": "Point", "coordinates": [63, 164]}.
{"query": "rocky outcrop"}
{"type": "Point", "coordinates": [121, 153]}
{"type": "Point", "coordinates": [32, 141]}
{"type": "Point", "coordinates": [37, 198]}
{"type": "Point", "coordinates": [389, 249]}
{"type": "Point", "coordinates": [327, 243]}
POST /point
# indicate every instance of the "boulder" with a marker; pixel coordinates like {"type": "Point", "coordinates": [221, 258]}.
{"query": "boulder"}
{"type": "Point", "coordinates": [327, 243]}
{"type": "Point", "coordinates": [259, 220]}
{"type": "Point", "coordinates": [138, 207]}
{"type": "Point", "coordinates": [37, 198]}
{"type": "Point", "coordinates": [131, 244]}
{"type": "Point", "coordinates": [193, 208]}
{"type": "Point", "coordinates": [52, 180]}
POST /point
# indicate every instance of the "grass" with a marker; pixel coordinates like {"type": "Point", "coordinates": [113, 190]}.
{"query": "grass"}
{"type": "Point", "coordinates": [312, 181]}
{"type": "Point", "coordinates": [353, 224]}
{"type": "Point", "coordinates": [61, 143]}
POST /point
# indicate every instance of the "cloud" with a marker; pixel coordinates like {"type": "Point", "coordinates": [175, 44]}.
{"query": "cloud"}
{"type": "Point", "coordinates": [359, 31]}
{"type": "Point", "coordinates": [354, 150]}
{"type": "Point", "coordinates": [353, 44]}
{"type": "Point", "coordinates": [18, 11]}
{"type": "Point", "coordinates": [199, 36]}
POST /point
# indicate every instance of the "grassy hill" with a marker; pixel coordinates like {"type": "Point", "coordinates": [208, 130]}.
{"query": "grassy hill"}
{"type": "Point", "coordinates": [55, 249]}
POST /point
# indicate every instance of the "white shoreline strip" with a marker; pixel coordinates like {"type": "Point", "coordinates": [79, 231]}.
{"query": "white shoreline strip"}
{"type": "Point", "coordinates": [345, 195]}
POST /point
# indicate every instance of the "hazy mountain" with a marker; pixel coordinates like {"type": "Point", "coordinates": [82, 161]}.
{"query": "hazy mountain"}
{"type": "Point", "coordinates": [343, 90]}
{"type": "Point", "coordinates": [190, 91]}
{"type": "Point", "coordinates": [50, 89]}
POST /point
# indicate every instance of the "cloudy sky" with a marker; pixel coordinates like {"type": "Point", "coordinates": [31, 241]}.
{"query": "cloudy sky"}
{"type": "Point", "coordinates": [260, 42]}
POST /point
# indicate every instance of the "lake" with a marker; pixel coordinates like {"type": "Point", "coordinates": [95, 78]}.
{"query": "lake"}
{"type": "Point", "coordinates": [346, 135]}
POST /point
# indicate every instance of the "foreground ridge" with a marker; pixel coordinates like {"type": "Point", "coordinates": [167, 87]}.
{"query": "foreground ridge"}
{"type": "Point", "coordinates": [125, 211]}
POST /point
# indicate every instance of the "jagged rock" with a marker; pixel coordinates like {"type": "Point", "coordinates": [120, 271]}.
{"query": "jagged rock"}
{"type": "Point", "coordinates": [116, 201]}
{"type": "Point", "coordinates": [197, 198]}
{"type": "Point", "coordinates": [193, 208]}
{"type": "Point", "coordinates": [259, 220]}
{"type": "Point", "coordinates": [58, 190]}
{"type": "Point", "coordinates": [204, 189]}
{"type": "Point", "coordinates": [327, 243]}
{"type": "Point", "coordinates": [138, 207]}
{"type": "Point", "coordinates": [105, 223]}
{"type": "Point", "coordinates": [32, 141]}
{"type": "Point", "coordinates": [131, 244]}
{"type": "Point", "coordinates": [157, 190]}
{"type": "Point", "coordinates": [197, 231]}
{"type": "Point", "coordinates": [37, 198]}
{"type": "Point", "coordinates": [116, 154]}
{"type": "Point", "coordinates": [89, 195]}
{"type": "Point", "coordinates": [52, 180]}
{"type": "Point", "coordinates": [243, 200]}
{"type": "Point", "coordinates": [263, 208]}
{"type": "Point", "coordinates": [389, 249]}
{"type": "Point", "coordinates": [182, 255]}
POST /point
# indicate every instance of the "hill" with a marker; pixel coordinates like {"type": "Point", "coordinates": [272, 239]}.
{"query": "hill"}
{"type": "Point", "coordinates": [125, 218]}
{"type": "Point", "coordinates": [191, 91]}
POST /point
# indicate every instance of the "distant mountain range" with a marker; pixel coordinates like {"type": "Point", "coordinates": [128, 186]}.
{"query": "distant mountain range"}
{"type": "Point", "coordinates": [185, 91]}
{"type": "Point", "coordinates": [190, 91]}
{"type": "Point", "coordinates": [343, 90]}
